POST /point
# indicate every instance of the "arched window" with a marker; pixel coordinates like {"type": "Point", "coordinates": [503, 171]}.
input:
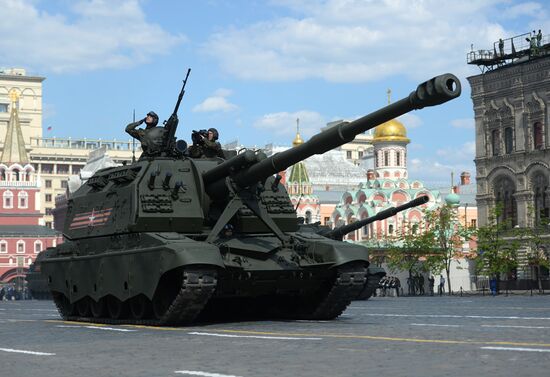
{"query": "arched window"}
{"type": "Point", "coordinates": [390, 229]}
{"type": "Point", "coordinates": [541, 205]}
{"type": "Point", "coordinates": [508, 140]}
{"type": "Point", "coordinates": [308, 217]}
{"type": "Point", "coordinates": [8, 199]}
{"type": "Point", "coordinates": [2, 174]}
{"type": "Point", "coordinates": [20, 247]}
{"type": "Point", "coordinates": [495, 142]}
{"type": "Point", "coordinates": [538, 136]}
{"type": "Point", "coordinates": [23, 198]}
{"type": "Point", "coordinates": [37, 246]}
{"type": "Point", "coordinates": [504, 193]}
{"type": "Point", "coordinates": [365, 229]}
{"type": "Point", "coordinates": [3, 247]}
{"type": "Point", "coordinates": [386, 158]}
{"type": "Point", "coordinates": [414, 229]}
{"type": "Point", "coordinates": [16, 175]}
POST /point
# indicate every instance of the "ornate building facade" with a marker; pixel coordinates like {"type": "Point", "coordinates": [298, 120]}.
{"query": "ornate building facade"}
{"type": "Point", "coordinates": [510, 103]}
{"type": "Point", "coordinates": [388, 185]}
{"type": "Point", "coordinates": [22, 234]}
{"type": "Point", "coordinates": [513, 140]}
{"type": "Point", "coordinates": [300, 189]}
{"type": "Point", "coordinates": [55, 159]}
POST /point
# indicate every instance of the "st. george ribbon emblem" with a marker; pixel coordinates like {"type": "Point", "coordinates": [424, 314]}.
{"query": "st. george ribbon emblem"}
{"type": "Point", "coordinates": [90, 219]}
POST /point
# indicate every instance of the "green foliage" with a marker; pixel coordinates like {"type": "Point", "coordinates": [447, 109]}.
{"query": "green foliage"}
{"type": "Point", "coordinates": [445, 235]}
{"type": "Point", "coordinates": [433, 249]}
{"type": "Point", "coordinates": [405, 252]}
{"type": "Point", "coordinates": [497, 245]}
{"type": "Point", "coordinates": [537, 240]}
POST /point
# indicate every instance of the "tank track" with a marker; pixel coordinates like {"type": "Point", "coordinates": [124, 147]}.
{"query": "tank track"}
{"type": "Point", "coordinates": [197, 288]}
{"type": "Point", "coordinates": [328, 303]}
{"type": "Point", "coordinates": [370, 287]}
{"type": "Point", "coordinates": [349, 283]}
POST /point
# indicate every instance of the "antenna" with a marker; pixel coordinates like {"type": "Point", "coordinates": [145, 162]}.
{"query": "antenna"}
{"type": "Point", "coordinates": [134, 141]}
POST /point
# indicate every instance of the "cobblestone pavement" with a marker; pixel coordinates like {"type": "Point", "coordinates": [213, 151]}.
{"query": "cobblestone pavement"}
{"type": "Point", "coordinates": [405, 336]}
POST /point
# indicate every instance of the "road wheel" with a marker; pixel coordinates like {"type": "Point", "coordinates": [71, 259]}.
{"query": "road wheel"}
{"type": "Point", "coordinates": [83, 307]}
{"type": "Point", "coordinates": [116, 308]}
{"type": "Point", "coordinates": [140, 307]}
{"type": "Point", "coordinates": [98, 308]}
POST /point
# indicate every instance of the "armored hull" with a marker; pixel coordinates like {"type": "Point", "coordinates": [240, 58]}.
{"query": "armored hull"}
{"type": "Point", "coordinates": [170, 240]}
{"type": "Point", "coordinates": [36, 282]}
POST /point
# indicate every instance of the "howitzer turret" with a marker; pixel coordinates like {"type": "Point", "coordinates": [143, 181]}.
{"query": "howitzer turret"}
{"type": "Point", "coordinates": [436, 91]}
{"type": "Point", "coordinates": [171, 239]}
{"type": "Point", "coordinates": [340, 232]}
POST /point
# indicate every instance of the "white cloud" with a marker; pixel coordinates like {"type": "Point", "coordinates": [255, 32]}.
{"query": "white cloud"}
{"type": "Point", "coordinates": [97, 34]}
{"type": "Point", "coordinates": [284, 123]}
{"type": "Point", "coordinates": [528, 8]}
{"type": "Point", "coordinates": [465, 152]}
{"type": "Point", "coordinates": [437, 168]}
{"type": "Point", "coordinates": [217, 102]}
{"type": "Point", "coordinates": [410, 120]}
{"type": "Point", "coordinates": [352, 40]}
{"type": "Point", "coordinates": [467, 123]}
{"type": "Point", "coordinates": [435, 173]}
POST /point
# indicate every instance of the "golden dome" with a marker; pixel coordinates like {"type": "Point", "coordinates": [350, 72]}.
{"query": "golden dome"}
{"type": "Point", "coordinates": [391, 130]}
{"type": "Point", "coordinates": [298, 139]}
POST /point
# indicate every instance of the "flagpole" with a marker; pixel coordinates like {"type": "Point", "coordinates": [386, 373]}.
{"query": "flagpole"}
{"type": "Point", "coordinates": [134, 141]}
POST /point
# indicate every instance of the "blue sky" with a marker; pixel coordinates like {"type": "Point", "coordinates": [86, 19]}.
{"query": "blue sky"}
{"type": "Point", "coordinates": [258, 65]}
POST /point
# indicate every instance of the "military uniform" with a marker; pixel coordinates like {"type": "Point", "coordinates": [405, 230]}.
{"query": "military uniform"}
{"type": "Point", "coordinates": [208, 149]}
{"type": "Point", "coordinates": [151, 137]}
{"type": "Point", "coordinates": [204, 147]}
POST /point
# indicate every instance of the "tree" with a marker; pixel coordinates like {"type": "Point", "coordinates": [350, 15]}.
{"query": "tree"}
{"type": "Point", "coordinates": [537, 241]}
{"type": "Point", "coordinates": [406, 253]}
{"type": "Point", "coordinates": [434, 248]}
{"type": "Point", "coordinates": [444, 237]}
{"type": "Point", "coordinates": [497, 246]}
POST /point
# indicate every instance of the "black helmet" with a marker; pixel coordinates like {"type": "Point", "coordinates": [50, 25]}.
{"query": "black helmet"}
{"type": "Point", "coordinates": [155, 118]}
{"type": "Point", "coordinates": [215, 133]}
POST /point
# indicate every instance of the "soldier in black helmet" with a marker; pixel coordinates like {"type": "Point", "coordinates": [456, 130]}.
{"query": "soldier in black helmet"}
{"type": "Point", "coordinates": [151, 120]}
{"type": "Point", "coordinates": [205, 144]}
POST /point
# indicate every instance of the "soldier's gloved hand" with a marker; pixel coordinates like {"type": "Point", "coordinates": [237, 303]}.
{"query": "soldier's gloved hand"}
{"type": "Point", "coordinates": [142, 121]}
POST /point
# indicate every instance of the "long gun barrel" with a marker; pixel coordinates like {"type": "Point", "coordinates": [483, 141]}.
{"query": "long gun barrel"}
{"type": "Point", "coordinates": [237, 163]}
{"type": "Point", "coordinates": [340, 232]}
{"type": "Point", "coordinates": [436, 91]}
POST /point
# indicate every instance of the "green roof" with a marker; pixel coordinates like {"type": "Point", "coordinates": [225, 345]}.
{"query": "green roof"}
{"type": "Point", "coordinates": [298, 174]}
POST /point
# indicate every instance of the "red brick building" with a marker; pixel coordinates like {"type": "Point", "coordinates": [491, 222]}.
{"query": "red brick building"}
{"type": "Point", "coordinates": [22, 234]}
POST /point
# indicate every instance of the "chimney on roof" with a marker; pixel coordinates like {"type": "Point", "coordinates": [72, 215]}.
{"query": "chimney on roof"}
{"type": "Point", "coordinates": [464, 178]}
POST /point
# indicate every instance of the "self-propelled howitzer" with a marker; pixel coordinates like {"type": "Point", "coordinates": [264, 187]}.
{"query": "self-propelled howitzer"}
{"type": "Point", "coordinates": [170, 239]}
{"type": "Point", "coordinates": [340, 232]}
{"type": "Point", "coordinates": [374, 273]}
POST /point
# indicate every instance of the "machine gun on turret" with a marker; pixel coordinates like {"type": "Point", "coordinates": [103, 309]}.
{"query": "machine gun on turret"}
{"type": "Point", "coordinates": [340, 232]}
{"type": "Point", "coordinates": [171, 125]}
{"type": "Point", "coordinates": [238, 181]}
